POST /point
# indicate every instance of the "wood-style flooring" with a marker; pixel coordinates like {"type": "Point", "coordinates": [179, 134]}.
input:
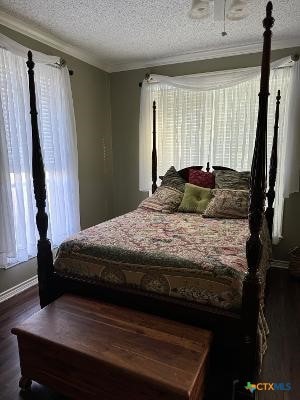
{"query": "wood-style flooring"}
{"type": "Point", "coordinates": [281, 363]}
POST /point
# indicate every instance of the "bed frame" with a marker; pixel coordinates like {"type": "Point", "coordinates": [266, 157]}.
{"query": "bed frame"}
{"type": "Point", "coordinates": [227, 326]}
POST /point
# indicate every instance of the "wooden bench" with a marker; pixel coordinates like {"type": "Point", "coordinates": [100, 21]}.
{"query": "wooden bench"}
{"type": "Point", "coordinates": [90, 350]}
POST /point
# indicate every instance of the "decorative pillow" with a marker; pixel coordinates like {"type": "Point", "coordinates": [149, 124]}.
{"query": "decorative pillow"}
{"type": "Point", "coordinates": [228, 203]}
{"type": "Point", "coordinates": [184, 173]}
{"type": "Point", "coordinates": [165, 199]}
{"type": "Point", "coordinates": [195, 199]}
{"type": "Point", "coordinates": [226, 179]}
{"type": "Point", "coordinates": [201, 178]}
{"type": "Point", "coordinates": [173, 179]}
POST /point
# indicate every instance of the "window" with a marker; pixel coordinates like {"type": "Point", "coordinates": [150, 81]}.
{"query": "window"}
{"type": "Point", "coordinates": [58, 141]}
{"type": "Point", "coordinates": [217, 126]}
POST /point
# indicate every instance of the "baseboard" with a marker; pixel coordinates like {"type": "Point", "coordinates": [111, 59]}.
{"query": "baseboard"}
{"type": "Point", "coordinates": [18, 288]}
{"type": "Point", "coordinates": [279, 264]}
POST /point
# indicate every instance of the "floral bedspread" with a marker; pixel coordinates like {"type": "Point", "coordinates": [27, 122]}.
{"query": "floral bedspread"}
{"type": "Point", "coordinates": [181, 255]}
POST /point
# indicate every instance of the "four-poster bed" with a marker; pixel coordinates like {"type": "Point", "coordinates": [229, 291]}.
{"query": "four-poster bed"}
{"type": "Point", "coordinates": [228, 326]}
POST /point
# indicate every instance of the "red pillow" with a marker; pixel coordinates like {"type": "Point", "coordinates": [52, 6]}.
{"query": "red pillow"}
{"type": "Point", "coordinates": [201, 178]}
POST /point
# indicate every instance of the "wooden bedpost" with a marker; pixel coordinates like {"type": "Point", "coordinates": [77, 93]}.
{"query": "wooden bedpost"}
{"type": "Point", "coordinates": [44, 253]}
{"type": "Point", "coordinates": [273, 170]}
{"type": "Point", "coordinates": [154, 152]}
{"type": "Point", "coordinates": [252, 283]}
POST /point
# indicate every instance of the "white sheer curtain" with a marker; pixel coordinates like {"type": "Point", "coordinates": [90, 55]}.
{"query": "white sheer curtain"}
{"type": "Point", "coordinates": [207, 122]}
{"type": "Point", "coordinates": [18, 234]}
{"type": "Point", "coordinates": [215, 80]}
{"type": "Point", "coordinates": [7, 231]}
{"type": "Point", "coordinates": [292, 159]}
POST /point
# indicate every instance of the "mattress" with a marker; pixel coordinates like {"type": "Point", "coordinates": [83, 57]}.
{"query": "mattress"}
{"type": "Point", "coordinates": [181, 255]}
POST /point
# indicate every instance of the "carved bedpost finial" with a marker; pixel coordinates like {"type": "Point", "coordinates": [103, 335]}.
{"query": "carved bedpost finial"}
{"type": "Point", "coordinates": [30, 65]}
{"type": "Point", "coordinates": [268, 22]}
{"type": "Point", "coordinates": [29, 54]}
{"type": "Point", "coordinates": [269, 9]}
{"type": "Point", "coordinates": [278, 96]}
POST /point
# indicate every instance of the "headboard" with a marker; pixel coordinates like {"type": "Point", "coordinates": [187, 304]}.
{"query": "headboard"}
{"type": "Point", "coordinates": [184, 172]}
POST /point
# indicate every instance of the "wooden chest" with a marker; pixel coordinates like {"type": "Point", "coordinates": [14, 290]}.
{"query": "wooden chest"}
{"type": "Point", "coordinates": [85, 349]}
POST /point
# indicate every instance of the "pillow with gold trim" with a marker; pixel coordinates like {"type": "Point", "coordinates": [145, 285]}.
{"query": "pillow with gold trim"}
{"type": "Point", "coordinates": [228, 203]}
{"type": "Point", "coordinates": [195, 199]}
{"type": "Point", "coordinates": [165, 199]}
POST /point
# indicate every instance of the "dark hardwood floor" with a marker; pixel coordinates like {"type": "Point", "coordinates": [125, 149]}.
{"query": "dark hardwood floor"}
{"type": "Point", "coordinates": [282, 360]}
{"type": "Point", "coordinates": [281, 363]}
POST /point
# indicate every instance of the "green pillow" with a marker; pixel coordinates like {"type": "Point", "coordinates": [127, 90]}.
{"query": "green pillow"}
{"type": "Point", "coordinates": [195, 199]}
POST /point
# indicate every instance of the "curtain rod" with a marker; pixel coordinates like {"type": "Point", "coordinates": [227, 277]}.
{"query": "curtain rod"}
{"type": "Point", "coordinates": [60, 65]}
{"type": "Point", "coordinates": [147, 76]}
{"type": "Point", "coordinates": [294, 57]}
{"type": "Point", "coordinates": [63, 63]}
{"type": "Point", "coordinates": [56, 65]}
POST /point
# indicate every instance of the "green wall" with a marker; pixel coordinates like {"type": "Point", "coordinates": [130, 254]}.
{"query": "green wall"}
{"type": "Point", "coordinates": [125, 101]}
{"type": "Point", "coordinates": [91, 97]}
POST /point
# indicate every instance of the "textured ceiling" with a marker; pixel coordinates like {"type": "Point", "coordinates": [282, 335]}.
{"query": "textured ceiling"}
{"type": "Point", "coordinates": [140, 31]}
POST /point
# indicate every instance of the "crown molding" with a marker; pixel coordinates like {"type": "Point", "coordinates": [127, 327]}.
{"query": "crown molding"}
{"type": "Point", "coordinates": [206, 55]}
{"type": "Point", "coordinates": [35, 33]}
{"type": "Point", "coordinates": [83, 55]}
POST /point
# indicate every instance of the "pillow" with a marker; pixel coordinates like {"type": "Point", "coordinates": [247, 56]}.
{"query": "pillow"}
{"type": "Point", "coordinates": [226, 179]}
{"type": "Point", "coordinates": [173, 179]}
{"type": "Point", "coordinates": [184, 173]}
{"type": "Point", "coordinates": [165, 199]}
{"type": "Point", "coordinates": [195, 199]}
{"type": "Point", "coordinates": [228, 203]}
{"type": "Point", "coordinates": [201, 178]}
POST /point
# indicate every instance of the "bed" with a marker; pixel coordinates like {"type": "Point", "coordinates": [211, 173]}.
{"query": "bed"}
{"type": "Point", "coordinates": [165, 270]}
{"type": "Point", "coordinates": [181, 255]}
